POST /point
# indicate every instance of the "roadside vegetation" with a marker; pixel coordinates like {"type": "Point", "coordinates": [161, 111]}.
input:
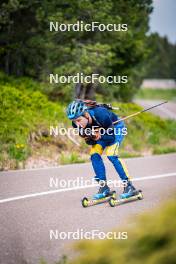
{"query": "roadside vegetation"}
{"type": "Point", "coordinates": [30, 52]}
{"type": "Point", "coordinates": [26, 116]}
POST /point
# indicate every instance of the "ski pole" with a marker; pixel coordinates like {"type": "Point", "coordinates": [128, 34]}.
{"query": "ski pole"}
{"type": "Point", "coordinates": [139, 112]}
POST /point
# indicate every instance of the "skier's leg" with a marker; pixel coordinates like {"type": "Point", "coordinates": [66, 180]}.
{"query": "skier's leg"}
{"type": "Point", "coordinates": [97, 162]}
{"type": "Point", "coordinates": [99, 168]}
{"type": "Point", "coordinates": [120, 167]}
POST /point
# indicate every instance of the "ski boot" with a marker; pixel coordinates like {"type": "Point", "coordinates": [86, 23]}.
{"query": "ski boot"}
{"type": "Point", "coordinates": [103, 192]}
{"type": "Point", "coordinates": [129, 190]}
{"type": "Point", "coordinates": [129, 194]}
{"type": "Point", "coordinates": [103, 195]}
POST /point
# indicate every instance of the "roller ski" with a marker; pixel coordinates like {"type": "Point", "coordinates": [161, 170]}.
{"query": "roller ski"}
{"type": "Point", "coordinates": [104, 195]}
{"type": "Point", "coordinates": [129, 194]}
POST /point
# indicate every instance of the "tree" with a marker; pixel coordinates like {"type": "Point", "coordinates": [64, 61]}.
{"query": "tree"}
{"type": "Point", "coordinates": [22, 47]}
{"type": "Point", "coordinates": [116, 53]}
{"type": "Point", "coordinates": [29, 48]}
{"type": "Point", "coordinates": [161, 58]}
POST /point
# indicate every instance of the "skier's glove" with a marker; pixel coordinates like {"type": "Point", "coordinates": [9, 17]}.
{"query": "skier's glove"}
{"type": "Point", "coordinates": [92, 139]}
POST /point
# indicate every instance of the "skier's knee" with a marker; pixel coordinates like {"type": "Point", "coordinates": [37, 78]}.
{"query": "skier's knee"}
{"type": "Point", "coordinates": [95, 157]}
{"type": "Point", "coordinates": [113, 159]}
{"type": "Point", "coordinates": [120, 167]}
{"type": "Point", "coordinates": [98, 166]}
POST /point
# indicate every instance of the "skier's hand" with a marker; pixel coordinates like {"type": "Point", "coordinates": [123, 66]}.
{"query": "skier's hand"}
{"type": "Point", "coordinates": [91, 140]}
{"type": "Point", "coordinates": [96, 135]}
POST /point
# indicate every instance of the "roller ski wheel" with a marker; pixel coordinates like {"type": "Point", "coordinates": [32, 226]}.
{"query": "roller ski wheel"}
{"type": "Point", "coordinates": [140, 195]}
{"type": "Point", "coordinates": [86, 202]}
{"type": "Point", "coordinates": [114, 202]}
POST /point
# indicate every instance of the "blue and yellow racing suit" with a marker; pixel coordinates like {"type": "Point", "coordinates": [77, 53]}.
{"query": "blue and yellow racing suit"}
{"type": "Point", "coordinates": [109, 142]}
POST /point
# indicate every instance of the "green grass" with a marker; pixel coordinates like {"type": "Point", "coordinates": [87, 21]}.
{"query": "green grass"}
{"type": "Point", "coordinates": [146, 131]}
{"type": "Point", "coordinates": [25, 111]}
{"type": "Point", "coordinates": [167, 94]}
{"type": "Point", "coordinates": [127, 154]}
{"type": "Point", "coordinates": [164, 150]}
{"type": "Point", "coordinates": [71, 158]}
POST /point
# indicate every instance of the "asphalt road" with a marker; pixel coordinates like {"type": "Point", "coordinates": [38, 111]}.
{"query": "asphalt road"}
{"type": "Point", "coordinates": [165, 111]}
{"type": "Point", "coordinates": [30, 208]}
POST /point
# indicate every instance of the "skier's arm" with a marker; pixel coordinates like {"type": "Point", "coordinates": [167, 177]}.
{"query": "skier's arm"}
{"type": "Point", "coordinates": [102, 116]}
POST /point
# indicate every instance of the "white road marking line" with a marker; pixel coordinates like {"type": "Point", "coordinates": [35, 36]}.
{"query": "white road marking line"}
{"type": "Point", "coordinates": [80, 187]}
{"type": "Point", "coordinates": [155, 176]}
